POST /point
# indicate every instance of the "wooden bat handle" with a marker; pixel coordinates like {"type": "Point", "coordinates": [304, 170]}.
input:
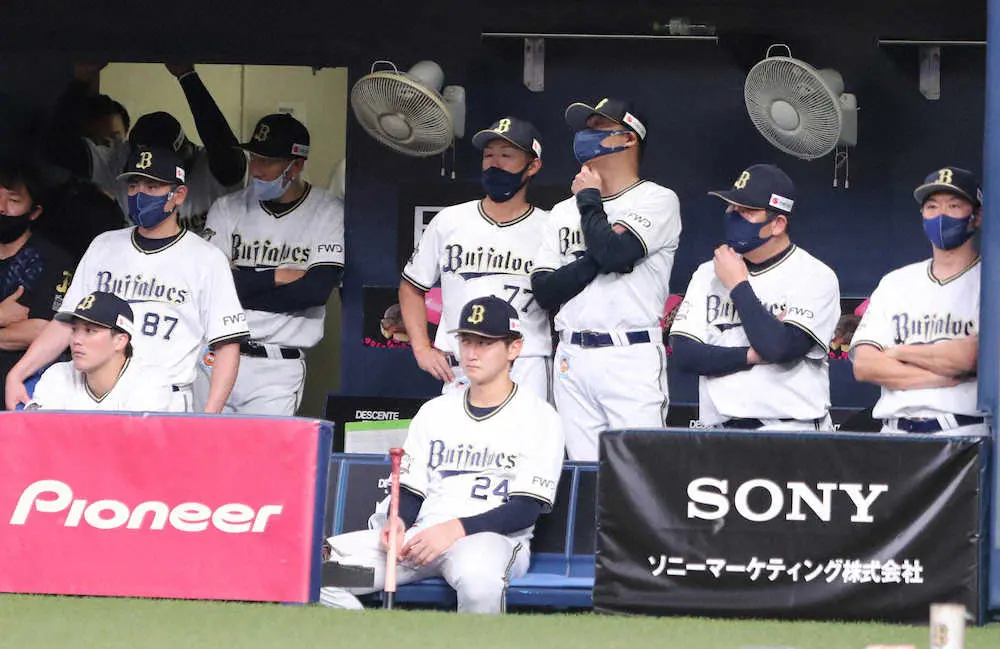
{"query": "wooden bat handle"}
{"type": "Point", "coordinates": [396, 457]}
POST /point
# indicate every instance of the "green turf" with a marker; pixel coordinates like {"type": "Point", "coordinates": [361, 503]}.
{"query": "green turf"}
{"type": "Point", "coordinates": [41, 622]}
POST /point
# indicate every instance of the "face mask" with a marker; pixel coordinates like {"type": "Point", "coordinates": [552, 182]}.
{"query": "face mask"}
{"type": "Point", "coordinates": [147, 211]}
{"type": "Point", "coordinates": [587, 144]}
{"type": "Point", "coordinates": [742, 235]}
{"type": "Point", "coordinates": [946, 232]}
{"type": "Point", "coordinates": [268, 190]}
{"type": "Point", "coordinates": [12, 227]}
{"type": "Point", "coordinates": [501, 185]}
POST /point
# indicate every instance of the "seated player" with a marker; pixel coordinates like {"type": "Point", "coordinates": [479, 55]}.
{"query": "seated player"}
{"type": "Point", "coordinates": [102, 374]}
{"type": "Point", "coordinates": [481, 464]}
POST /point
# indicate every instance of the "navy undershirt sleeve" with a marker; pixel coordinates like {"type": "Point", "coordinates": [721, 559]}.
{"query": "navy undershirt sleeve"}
{"type": "Point", "coordinates": [615, 252]}
{"type": "Point", "coordinates": [409, 506]}
{"type": "Point", "coordinates": [516, 514]}
{"type": "Point", "coordinates": [226, 162]}
{"type": "Point", "coordinates": [699, 358]}
{"type": "Point", "coordinates": [312, 289]}
{"type": "Point", "coordinates": [555, 287]}
{"type": "Point", "coordinates": [772, 339]}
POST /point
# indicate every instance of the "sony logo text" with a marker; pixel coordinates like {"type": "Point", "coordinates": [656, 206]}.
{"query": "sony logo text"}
{"type": "Point", "coordinates": [708, 500]}
{"type": "Point", "coordinates": [53, 496]}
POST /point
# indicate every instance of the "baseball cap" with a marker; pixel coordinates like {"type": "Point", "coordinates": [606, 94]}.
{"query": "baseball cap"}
{"type": "Point", "coordinates": [155, 163]}
{"type": "Point", "coordinates": [518, 132]}
{"type": "Point", "coordinates": [104, 309]}
{"type": "Point", "coordinates": [761, 187]}
{"type": "Point", "coordinates": [159, 129]}
{"type": "Point", "coordinates": [618, 110]}
{"type": "Point", "coordinates": [489, 317]}
{"type": "Point", "coordinates": [953, 180]}
{"type": "Point", "coordinates": [279, 135]}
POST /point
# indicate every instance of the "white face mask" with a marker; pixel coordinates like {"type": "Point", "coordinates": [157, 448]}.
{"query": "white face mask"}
{"type": "Point", "coordinates": [268, 190]}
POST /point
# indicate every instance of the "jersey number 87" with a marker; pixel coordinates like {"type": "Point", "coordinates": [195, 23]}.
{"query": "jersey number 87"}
{"type": "Point", "coordinates": [153, 323]}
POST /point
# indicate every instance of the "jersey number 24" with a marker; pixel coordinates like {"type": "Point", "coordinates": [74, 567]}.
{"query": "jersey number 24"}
{"type": "Point", "coordinates": [485, 486]}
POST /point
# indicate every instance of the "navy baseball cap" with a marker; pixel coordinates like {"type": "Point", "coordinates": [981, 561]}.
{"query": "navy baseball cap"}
{"type": "Point", "coordinates": [279, 135]}
{"type": "Point", "coordinates": [155, 163]}
{"type": "Point", "coordinates": [103, 309]}
{"type": "Point", "coordinates": [489, 317]}
{"type": "Point", "coordinates": [761, 187]}
{"type": "Point", "coordinates": [518, 132]}
{"type": "Point", "coordinates": [617, 110]}
{"type": "Point", "coordinates": [159, 129]}
{"type": "Point", "coordinates": [953, 180]}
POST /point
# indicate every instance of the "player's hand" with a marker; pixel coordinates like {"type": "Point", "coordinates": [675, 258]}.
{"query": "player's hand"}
{"type": "Point", "coordinates": [586, 179]}
{"type": "Point", "coordinates": [753, 358]}
{"type": "Point", "coordinates": [434, 362]}
{"type": "Point", "coordinates": [426, 546]}
{"type": "Point", "coordinates": [14, 391]}
{"type": "Point", "coordinates": [730, 267]}
{"type": "Point", "coordinates": [284, 276]}
{"type": "Point", "coordinates": [400, 533]}
{"type": "Point", "coordinates": [179, 69]}
{"type": "Point", "coordinates": [11, 310]}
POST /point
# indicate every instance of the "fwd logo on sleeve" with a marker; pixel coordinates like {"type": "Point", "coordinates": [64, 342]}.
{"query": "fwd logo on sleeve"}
{"type": "Point", "coordinates": [708, 499]}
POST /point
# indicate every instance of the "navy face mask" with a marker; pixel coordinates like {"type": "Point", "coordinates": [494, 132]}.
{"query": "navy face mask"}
{"type": "Point", "coordinates": [501, 185]}
{"type": "Point", "coordinates": [946, 232]}
{"type": "Point", "coordinates": [587, 144]}
{"type": "Point", "coordinates": [147, 211]}
{"type": "Point", "coordinates": [742, 235]}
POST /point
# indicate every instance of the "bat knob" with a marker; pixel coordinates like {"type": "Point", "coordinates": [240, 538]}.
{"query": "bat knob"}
{"type": "Point", "coordinates": [396, 452]}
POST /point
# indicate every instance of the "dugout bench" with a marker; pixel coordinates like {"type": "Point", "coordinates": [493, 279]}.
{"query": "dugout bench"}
{"type": "Point", "coordinates": [561, 575]}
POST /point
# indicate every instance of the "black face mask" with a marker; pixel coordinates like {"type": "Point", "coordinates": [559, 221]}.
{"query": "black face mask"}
{"type": "Point", "coordinates": [12, 227]}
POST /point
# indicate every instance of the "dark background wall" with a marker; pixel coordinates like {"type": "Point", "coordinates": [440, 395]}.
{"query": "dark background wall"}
{"type": "Point", "coordinates": [690, 93]}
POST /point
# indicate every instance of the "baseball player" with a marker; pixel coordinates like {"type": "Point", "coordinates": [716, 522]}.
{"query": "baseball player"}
{"type": "Point", "coordinates": [484, 247]}
{"type": "Point", "coordinates": [756, 320]}
{"type": "Point", "coordinates": [285, 241]}
{"type": "Point", "coordinates": [179, 286]}
{"type": "Point", "coordinates": [102, 374]}
{"type": "Point", "coordinates": [481, 464]}
{"type": "Point", "coordinates": [919, 337]}
{"type": "Point", "coordinates": [34, 273]}
{"type": "Point", "coordinates": [214, 170]}
{"type": "Point", "coordinates": [606, 258]}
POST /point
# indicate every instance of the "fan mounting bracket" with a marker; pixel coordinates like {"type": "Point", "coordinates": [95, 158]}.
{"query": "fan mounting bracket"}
{"type": "Point", "coordinates": [534, 64]}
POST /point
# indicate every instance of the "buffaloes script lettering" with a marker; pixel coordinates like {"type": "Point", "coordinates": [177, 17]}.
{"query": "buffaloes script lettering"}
{"type": "Point", "coordinates": [569, 240]}
{"type": "Point", "coordinates": [267, 253]}
{"type": "Point", "coordinates": [480, 260]}
{"type": "Point", "coordinates": [467, 457]}
{"type": "Point", "coordinates": [930, 327]}
{"type": "Point", "coordinates": [708, 500]}
{"type": "Point", "coordinates": [719, 308]}
{"type": "Point", "coordinates": [140, 288]}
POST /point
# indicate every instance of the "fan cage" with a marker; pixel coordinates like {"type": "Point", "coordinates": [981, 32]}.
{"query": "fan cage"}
{"type": "Point", "coordinates": [780, 78]}
{"type": "Point", "coordinates": [388, 97]}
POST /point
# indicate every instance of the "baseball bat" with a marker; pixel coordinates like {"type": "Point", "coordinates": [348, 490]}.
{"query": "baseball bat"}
{"type": "Point", "coordinates": [396, 456]}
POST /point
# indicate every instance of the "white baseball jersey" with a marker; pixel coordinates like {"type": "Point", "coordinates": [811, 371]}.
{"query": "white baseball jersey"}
{"type": "Point", "coordinates": [618, 301]}
{"type": "Point", "coordinates": [911, 307]}
{"type": "Point", "coordinates": [463, 465]}
{"type": "Point", "coordinates": [800, 290]}
{"type": "Point", "coordinates": [308, 235]}
{"type": "Point", "coordinates": [182, 296]}
{"type": "Point", "coordinates": [107, 162]}
{"type": "Point", "coordinates": [140, 388]}
{"type": "Point", "coordinates": [474, 256]}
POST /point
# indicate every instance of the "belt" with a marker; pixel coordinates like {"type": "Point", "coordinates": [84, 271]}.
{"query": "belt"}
{"type": "Point", "coordinates": [930, 425]}
{"type": "Point", "coordinates": [256, 350]}
{"type": "Point", "coordinates": [752, 423]}
{"type": "Point", "coordinates": [600, 339]}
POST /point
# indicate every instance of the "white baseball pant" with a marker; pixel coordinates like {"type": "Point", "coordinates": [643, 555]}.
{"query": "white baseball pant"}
{"type": "Point", "coordinates": [478, 567]}
{"type": "Point", "coordinates": [264, 386]}
{"type": "Point", "coordinates": [601, 388]}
